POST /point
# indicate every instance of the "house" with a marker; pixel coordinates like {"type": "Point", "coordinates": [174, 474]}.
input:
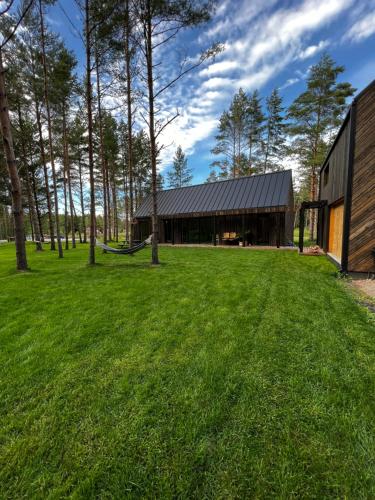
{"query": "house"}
{"type": "Point", "coordinates": [346, 222]}
{"type": "Point", "coordinates": [253, 210]}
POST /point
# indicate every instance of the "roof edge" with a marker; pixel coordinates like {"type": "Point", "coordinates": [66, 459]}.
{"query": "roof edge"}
{"type": "Point", "coordinates": [227, 180]}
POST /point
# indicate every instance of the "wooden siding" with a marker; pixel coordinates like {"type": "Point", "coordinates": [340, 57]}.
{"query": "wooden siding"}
{"type": "Point", "coordinates": [362, 221]}
{"type": "Point", "coordinates": [338, 166]}
{"type": "Point", "coordinates": [336, 225]}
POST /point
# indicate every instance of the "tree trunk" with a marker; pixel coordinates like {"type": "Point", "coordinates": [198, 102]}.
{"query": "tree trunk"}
{"type": "Point", "coordinates": [129, 116]}
{"type": "Point", "coordinates": [109, 208]}
{"type": "Point", "coordinates": [78, 229]}
{"type": "Point", "coordinates": [66, 226]}
{"type": "Point", "coordinates": [71, 204]}
{"type": "Point", "coordinates": [153, 152]}
{"type": "Point", "coordinates": [126, 205]}
{"type": "Point", "coordinates": [102, 155]}
{"type": "Point", "coordinates": [46, 180]}
{"type": "Point", "coordinates": [82, 199]}
{"type": "Point", "coordinates": [313, 189]}
{"type": "Point", "coordinates": [90, 134]}
{"type": "Point", "coordinates": [33, 216]}
{"type": "Point", "coordinates": [68, 177]}
{"type": "Point", "coordinates": [37, 207]}
{"type": "Point", "coordinates": [115, 216]}
{"type": "Point", "coordinates": [266, 152]}
{"type": "Point", "coordinates": [49, 126]}
{"type": "Point", "coordinates": [13, 174]}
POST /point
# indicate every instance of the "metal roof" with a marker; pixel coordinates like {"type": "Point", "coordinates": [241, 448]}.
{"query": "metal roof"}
{"type": "Point", "coordinates": [243, 193]}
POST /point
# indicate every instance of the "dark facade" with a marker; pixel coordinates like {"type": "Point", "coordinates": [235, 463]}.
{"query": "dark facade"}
{"type": "Point", "coordinates": [347, 184]}
{"type": "Point", "coordinates": [254, 210]}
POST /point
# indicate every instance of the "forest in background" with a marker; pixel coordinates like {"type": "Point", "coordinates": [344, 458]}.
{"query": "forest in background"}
{"type": "Point", "coordinates": [84, 164]}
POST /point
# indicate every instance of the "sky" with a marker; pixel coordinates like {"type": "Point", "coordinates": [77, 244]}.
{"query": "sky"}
{"type": "Point", "coordinates": [267, 44]}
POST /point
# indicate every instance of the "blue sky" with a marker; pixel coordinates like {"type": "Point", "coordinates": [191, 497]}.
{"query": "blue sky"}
{"type": "Point", "coordinates": [267, 44]}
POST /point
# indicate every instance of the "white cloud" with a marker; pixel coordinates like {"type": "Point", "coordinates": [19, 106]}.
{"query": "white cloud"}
{"type": "Point", "coordinates": [219, 67]}
{"type": "Point", "coordinates": [362, 29]}
{"type": "Point", "coordinates": [261, 40]}
{"type": "Point", "coordinates": [289, 82]}
{"type": "Point", "coordinates": [313, 49]}
{"type": "Point", "coordinates": [217, 82]}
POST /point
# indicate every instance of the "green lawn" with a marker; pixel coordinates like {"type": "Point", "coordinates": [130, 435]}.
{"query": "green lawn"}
{"type": "Point", "coordinates": [223, 373]}
{"type": "Point", "coordinates": [306, 238]}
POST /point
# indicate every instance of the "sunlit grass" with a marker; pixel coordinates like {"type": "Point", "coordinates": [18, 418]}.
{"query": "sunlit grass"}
{"type": "Point", "coordinates": [222, 373]}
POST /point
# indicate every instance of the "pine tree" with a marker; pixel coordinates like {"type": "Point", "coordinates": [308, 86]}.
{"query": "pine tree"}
{"type": "Point", "coordinates": [314, 118]}
{"type": "Point", "coordinates": [274, 141]}
{"type": "Point", "coordinates": [13, 173]}
{"type": "Point", "coordinates": [160, 22]}
{"type": "Point", "coordinates": [231, 140]}
{"type": "Point", "coordinates": [212, 177]}
{"type": "Point", "coordinates": [180, 175]}
{"type": "Point", "coordinates": [255, 131]}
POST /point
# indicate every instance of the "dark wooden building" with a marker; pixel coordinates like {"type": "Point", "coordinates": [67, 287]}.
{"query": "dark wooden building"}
{"type": "Point", "coordinates": [346, 228]}
{"type": "Point", "coordinates": [254, 210]}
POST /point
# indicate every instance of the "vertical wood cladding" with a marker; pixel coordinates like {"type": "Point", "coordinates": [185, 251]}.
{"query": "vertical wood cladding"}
{"type": "Point", "coordinates": [362, 220]}
{"type": "Point", "coordinates": [333, 175]}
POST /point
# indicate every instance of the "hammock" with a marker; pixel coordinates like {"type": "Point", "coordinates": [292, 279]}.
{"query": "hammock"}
{"type": "Point", "coordinates": [125, 251]}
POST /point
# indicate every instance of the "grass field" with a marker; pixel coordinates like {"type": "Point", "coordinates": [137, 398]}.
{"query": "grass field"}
{"type": "Point", "coordinates": [223, 373]}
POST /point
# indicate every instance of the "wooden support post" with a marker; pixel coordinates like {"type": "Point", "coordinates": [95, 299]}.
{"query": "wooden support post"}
{"type": "Point", "coordinates": [214, 230]}
{"type": "Point", "coordinates": [243, 229]}
{"type": "Point", "coordinates": [278, 229]}
{"type": "Point", "coordinates": [301, 227]}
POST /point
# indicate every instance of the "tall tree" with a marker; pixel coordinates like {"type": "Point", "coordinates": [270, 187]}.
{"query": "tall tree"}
{"type": "Point", "coordinates": [314, 118]}
{"type": "Point", "coordinates": [31, 75]}
{"type": "Point", "coordinates": [128, 30]}
{"type": "Point", "coordinates": [274, 140]}
{"type": "Point", "coordinates": [49, 123]}
{"type": "Point", "coordinates": [16, 190]}
{"type": "Point", "coordinates": [89, 97]}
{"type": "Point", "coordinates": [255, 130]}
{"type": "Point", "coordinates": [180, 175]}
{"type": "Point", "coordinates": [159, 22]}
{"type": "Point", "coordinates": [232, 138]}
{"type": "Point", "coordinates": [63, 87]}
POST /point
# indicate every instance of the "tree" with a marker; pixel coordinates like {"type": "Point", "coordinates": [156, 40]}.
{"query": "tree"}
{"type": "Point", "coordinates": [128, 30]}
{"type": "Point", "coordinates": [89, 97]}
{"type": "Point", "coordinates": [17, 209]}
{"type": "Point", "coordinates": [63, 88]}
{"type": "Point", "coordinates": [159, 22]}
{"type": "Point", "coordinates": [274, 141]}
{"type": "Point", "coordinates": [212, 177]}
{"type": "Point", "coordinates": [255, 131]}
{"type": "Point", "coordinates": [49, 124]}
{"type": "Point", "coordinates": [180, 175]}
{"type": "Point", "coordinates": [314, 118]}
{"type": "Point", "coordinates": [78, 154]}
{"type": "Point", "coordinates": [232, 138]}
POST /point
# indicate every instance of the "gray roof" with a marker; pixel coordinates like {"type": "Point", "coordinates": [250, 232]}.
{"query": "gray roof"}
{"type": "Point", "coordinates": [243, 193]}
